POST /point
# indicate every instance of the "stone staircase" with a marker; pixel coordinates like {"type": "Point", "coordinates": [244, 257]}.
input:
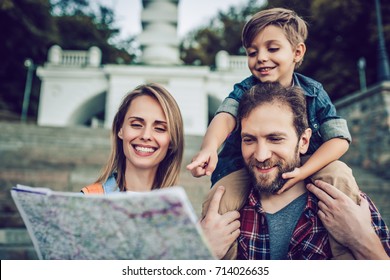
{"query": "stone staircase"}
{"type": "Point", "coordinates": [66, 159]}
{"type": "Point", "coordinates": [63, 159]}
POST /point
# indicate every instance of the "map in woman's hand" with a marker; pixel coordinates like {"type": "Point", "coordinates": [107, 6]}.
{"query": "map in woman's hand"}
{"type": "Point", "coordinates": [122, 226]}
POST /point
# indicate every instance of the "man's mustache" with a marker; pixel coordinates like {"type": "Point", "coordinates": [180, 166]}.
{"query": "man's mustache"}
{"type": "Point", "coordinates": [265, 164]}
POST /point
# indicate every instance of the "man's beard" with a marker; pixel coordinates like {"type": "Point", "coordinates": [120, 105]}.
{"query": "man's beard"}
{"type": "Point", "coordinates": [264, 182]}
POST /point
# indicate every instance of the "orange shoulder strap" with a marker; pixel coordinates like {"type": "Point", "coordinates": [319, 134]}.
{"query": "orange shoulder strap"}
{"type": "Point", "coordinates": [96, 188]}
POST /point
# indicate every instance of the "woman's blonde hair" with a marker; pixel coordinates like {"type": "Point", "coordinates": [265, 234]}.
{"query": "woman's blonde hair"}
{"type": "Point", "coordinates": [169, 169]}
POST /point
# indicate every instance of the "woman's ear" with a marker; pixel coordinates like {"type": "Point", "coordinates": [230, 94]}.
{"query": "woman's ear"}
{"type": "Point", "coordinates": [304, 142]}
{"type": "Point", "coordinates": [120, 134]}
{"type": "Point", "coordinates": [300, 51]}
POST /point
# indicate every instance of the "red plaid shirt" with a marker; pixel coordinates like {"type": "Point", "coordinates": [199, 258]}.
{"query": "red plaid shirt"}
{"type": "Point", "coordinates": [309, 240]}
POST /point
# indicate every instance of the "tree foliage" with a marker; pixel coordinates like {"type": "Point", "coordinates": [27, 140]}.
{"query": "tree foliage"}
{"type": "Point", "coordinates": [223, 33]}
{"type": "Point", "coordinates": [81, 27]}
{"type": "Point", "coordinates": [340, 32]}
{"type": "Point", "coordinates": [27, 31]}
{"type": "Point", "coordinates": [31, 27]}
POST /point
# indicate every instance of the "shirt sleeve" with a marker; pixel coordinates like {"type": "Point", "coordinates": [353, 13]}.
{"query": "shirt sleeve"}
{"type": "Point", "coordinates": [229, 105]}
{"type": "Point", "coordinates": [331, 125]}
{"type": "Point", "coordinates": [335, 128]}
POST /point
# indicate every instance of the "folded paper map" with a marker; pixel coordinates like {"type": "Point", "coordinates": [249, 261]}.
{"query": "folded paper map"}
{"type": "Point", "coordinates": [153, 225]}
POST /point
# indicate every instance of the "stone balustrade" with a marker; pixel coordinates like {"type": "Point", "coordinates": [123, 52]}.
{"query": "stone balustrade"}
{"type": "Point", "coordinates": [226, 62]}
{"type": "Point", "coordinates": [58, 56]}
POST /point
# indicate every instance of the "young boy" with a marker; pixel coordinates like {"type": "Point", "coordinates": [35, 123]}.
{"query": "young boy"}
{"type": "Point", "coordinates": [274, 42]}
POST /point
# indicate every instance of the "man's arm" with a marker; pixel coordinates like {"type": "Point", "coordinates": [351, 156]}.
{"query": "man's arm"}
{"type": "Point", "coordinates": [349, 223]}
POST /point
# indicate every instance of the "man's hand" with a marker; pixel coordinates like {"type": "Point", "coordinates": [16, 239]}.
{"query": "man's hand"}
{"type": "Point", "coordinates": [203, 163]}
{"type": "Point", "coordinates": [220, 230]}
{"type": "Point", "coordinates": [349, 223]}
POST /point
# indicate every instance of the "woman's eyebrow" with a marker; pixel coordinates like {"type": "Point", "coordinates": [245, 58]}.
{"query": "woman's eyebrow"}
{"type": "Point", "coordinates": [142, 120]}
{"type": "Point", "coordinates": [135, 117]}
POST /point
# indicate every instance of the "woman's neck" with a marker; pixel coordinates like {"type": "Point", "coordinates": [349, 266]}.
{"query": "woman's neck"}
{"type": "Point", "coordinates": [139, 180]}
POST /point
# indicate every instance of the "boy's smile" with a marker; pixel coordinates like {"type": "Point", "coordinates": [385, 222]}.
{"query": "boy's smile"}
{"type": "Point", "coordinates": [271, 57]}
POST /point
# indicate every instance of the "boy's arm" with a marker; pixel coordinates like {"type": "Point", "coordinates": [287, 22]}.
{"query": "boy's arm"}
{"type": "Point", "coordinates": [205, 161]}
{"type": "Point", "coordinates": [329, 151]}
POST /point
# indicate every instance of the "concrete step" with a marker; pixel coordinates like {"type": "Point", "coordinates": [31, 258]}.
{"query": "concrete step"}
{"type": "Point", "coordinates": [377, 188]}
{"type": "Point", "coordinates": [66, 159]}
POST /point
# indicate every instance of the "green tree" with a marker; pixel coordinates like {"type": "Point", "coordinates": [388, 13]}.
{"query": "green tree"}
{"type": "Point", "coordinates": [81, 27]}
{"type": "Point", "coordinates": [27, 31]}
{"type": "Point", "coordinates": [340, 32]}
{"type": "Point", "coordinates": [31, 27]}
{"type": "Point", "coordinates": [223, 33]}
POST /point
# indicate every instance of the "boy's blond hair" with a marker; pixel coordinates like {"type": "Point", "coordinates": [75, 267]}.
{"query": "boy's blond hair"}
{"type": "Point", "coordinates": [293, 26]}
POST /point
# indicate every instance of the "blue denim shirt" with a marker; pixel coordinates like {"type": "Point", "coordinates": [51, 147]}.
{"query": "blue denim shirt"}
{"type": "Point", "coordinates": [322, 117]}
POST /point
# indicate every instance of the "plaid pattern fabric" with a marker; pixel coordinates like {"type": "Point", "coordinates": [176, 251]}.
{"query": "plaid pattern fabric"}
{"type": "Point", "coordinates": [379, 225]}
{"type": "Point", "coordinates": [309, 240]}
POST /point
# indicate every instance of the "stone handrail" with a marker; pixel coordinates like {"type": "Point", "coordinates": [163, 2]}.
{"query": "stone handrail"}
{"type": "Point", "coordinates": [91, 57]}
{"type": "Point", "coordinates": [226, 62]}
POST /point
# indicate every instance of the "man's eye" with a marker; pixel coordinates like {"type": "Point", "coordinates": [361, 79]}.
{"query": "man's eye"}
{"type": "Point", "coordinates": [276, 139]}
{"type": "Point", "coordinates": [247, 140]}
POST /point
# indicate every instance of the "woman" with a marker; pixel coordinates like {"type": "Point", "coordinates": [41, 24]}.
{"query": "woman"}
{"type": "Point", "coordinates": [147, 143]}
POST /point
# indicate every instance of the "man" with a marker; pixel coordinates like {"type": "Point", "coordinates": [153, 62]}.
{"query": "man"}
{"type": "Point", "coordinates": [293, 224]}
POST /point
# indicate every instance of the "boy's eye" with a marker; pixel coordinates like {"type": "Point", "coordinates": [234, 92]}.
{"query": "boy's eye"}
{"type": "Point", "coordinates": [273, 49]}
{"type": "Point", "coordinates": [251, 53]}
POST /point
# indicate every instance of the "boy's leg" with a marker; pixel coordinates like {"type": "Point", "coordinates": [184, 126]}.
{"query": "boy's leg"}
{"type": "Point", "coordinates": [339, 175]}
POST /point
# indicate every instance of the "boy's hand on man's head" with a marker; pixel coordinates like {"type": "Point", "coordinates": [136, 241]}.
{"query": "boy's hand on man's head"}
{"type": "Point", "coordinates": [203, 163]}
{"type": "Point", "coordinates": [293, 177]}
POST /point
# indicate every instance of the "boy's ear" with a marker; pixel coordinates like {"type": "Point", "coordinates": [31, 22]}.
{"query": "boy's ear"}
{"type": "Point", "coordinates": [300, 51]}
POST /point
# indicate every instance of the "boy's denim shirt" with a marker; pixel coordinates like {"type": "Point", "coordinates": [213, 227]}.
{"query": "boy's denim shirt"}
{"type": "Point", "coordinates": [323, 121]}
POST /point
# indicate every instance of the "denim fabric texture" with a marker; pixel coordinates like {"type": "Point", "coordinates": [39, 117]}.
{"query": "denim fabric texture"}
{"type": "Point", "coordinates": [322, 117]}
{"type": "Point", "coordinates": [110, 186]}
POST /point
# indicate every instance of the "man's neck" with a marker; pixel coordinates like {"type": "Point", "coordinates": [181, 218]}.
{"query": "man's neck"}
{"type": "Point", "coordinates": [272, 203]}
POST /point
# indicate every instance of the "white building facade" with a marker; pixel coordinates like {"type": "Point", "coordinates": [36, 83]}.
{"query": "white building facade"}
{"type": "Point", "coordinates": [77, 90]}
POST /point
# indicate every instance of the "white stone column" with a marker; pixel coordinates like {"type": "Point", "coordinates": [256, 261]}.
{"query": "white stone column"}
{"type": "Point", "coordinates": [94, 56]}
{"type": "Point", "coordinates": [159, 40]}
{"type": "Point", "coordinates": [55, 55]}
